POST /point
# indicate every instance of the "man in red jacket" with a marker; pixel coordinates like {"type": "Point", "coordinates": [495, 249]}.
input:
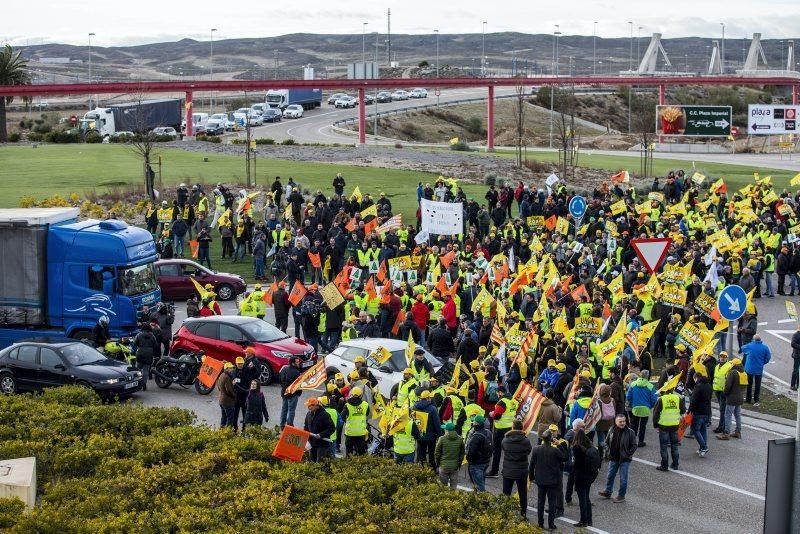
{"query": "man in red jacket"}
{"type": "Point", "coordinates": [422, 315]}
{"type": "Point", "coordinates": [450, 313]}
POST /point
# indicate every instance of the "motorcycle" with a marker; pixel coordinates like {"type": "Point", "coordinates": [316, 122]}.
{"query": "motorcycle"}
{"type": "Point", "coordinates": [182, 370]}
{"type": "Point", "coordinates": [120, 350]}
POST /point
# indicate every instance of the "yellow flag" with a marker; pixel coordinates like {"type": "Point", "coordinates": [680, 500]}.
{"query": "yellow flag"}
{"type": "Point", "coordinates": [410, 349]}
{"type": "Point", "coordinates": [671, 384]}
{"type": "Point", "coordinates": [456, 373]}
{"type": "Point", "coordinates": [381, 355]}
{"type": "Point", "coordinates": [618, 207]}
{"type": "Point", "coordinates": [646, 331]}
{"type": "Point", "coordinates": [200, 289]}
{"type": "Point", "coordinates": [421, 420]}
{"type": "Point", "coordinates": [795, 181]}
{"type": "Point", "coordinates": [357, 194]}
{"type": "Point", "coordinates": [287, 213]}
{"type": "Point", "coordinates": [541, 311]}
{"type": "Point", "coordinates": [370, 210]}
{"type": "Point", "coordinates": [562, 226]}
{"type": "Point", "coordinates": [225, 218]}
{"type": "Point", "coordinates": [615, 285]}
{"type": "Point", "coordinates": [569, 337]}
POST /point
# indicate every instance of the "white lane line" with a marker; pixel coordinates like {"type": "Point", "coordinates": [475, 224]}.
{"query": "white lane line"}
{"type": "Point", "coordinates": [566, 520]}
{"type": "Point", "coordinates": [707, 480]}
{"type": "Point", "coordinates": [765, 323]}
{"type": "Point", "coordinates": [783, 321]}
{"type": "Point", "coordinates": [775, 378]}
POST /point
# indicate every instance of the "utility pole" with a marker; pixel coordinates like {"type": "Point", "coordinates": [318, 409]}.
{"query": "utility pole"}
{"type": "Point", "coordinates": [90, 66]}
{"type": "Point", "coordinates": [211, 68]}
{"type": "Point", "coordinates": [483, 49]}
{"type": "Point", "coordinates": [364, 42]}
{"type": "Point", "coordinates": [638, 45]}
{"type": "Point", "coordinates": [722, 50]}
{"type": "Point", "coordinates": [554, 69]}
{"type": "Point", "coordinates": [630, 70]}
{"type": "Point", "coordinates": [594, 49]}
{"type": "Point", "coordinates": [436, 32]}
{"type": "Point", "coordinates": [389, 38]}
{"type": "Point", "coordinates": [375, 117]}
{"type": "Point", "coordinates": [275, 55]}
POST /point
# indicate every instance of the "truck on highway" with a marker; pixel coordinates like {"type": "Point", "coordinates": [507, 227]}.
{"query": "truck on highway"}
{"type": "Point", "coordinates": [60, 275]}
{"type": "Point", "coordinates": [281, 98]}
{"type": "Point", "coordinates": [137, 117]}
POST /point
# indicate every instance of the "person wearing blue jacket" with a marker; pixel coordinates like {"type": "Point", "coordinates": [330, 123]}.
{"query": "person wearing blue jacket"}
{"type": "Point", "coordinates": [426, 442]}
{"type": "Point", "coordinates": [641, 397]}
{"type": "Point", "coordinates": [581, 405]}
{"type": "Point", "coordinates": [756, 355]}
{"type": "Point", "coordinates": [549, 377]}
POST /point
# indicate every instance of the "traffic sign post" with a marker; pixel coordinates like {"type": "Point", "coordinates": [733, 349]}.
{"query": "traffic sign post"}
{"type": "Point", "coordinates": [694, 121]}
{"type": "Point", "coordinates": [731, 303]}
{"type": "Point", "coordinates": [651, 251]}
{"type": "Point", "coordinates": [768, 119]}
{"type": "Point", "coordinates": [577, 208]}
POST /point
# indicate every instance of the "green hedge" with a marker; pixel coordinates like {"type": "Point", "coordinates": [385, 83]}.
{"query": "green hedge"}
{"type": "Point", "coordinates": [125, 468]}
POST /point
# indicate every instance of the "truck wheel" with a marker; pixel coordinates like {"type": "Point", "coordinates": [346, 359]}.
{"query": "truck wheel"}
{"type": "Point", "coordinates": [225, 292]}
{"type": "Point", "coordinates": [8, 384]}
{"type": "Point", "coordinates": [80, 335]}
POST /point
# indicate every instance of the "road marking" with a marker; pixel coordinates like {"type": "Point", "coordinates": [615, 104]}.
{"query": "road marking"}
{"type": "Point", "coordinates": [765, 323]}
{"type": "Point", "coordinates": [563, 519]}
{"type": "Point", "coordinates": [707, 480]}
{"type": "Point", "coordinates": [783, 321]}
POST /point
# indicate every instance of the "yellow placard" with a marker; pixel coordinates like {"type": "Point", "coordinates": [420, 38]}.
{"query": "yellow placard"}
{"type": "Point", "coordinates": [674, 296]}
{"type": "Point", "coordinates": [618, 207]}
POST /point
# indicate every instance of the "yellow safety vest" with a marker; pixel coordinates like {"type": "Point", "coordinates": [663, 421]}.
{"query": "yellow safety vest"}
{"type": "Point", "coordinates": [334, 416]}
{"type": "Point", "coordinates": [165, 215]}
{"type": "Point", "coordinates": [248, 309]}
{"type": "Point", "coordinates": [421, 374]}
{"type": "Point", "coordinates": [507, 419]}
{"type": "Point", "coordinates": [363, 258]}
{"type": "Point", "coordinates": [202, 205]}
{"type": "Point", "coordinates": [404, 442]}
{"type": "Point", "coordinates": [720, 372]}
{"type": "Point", "coordinates": [458, 405]}
{"type": "Point", "coordinates": [436, 312]}
{"type": "Point", "coordinates": [670, 410]}
{"type": "Point", "coordinates": [470, 411]}
{"type": "Point", "coordinates": [356, 424]}
{"type": "Point", "coordinates": [405, 390]}
{"type": "Point", "coordinates": [257, 297]}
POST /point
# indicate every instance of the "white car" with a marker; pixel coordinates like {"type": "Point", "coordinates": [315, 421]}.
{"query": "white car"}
{"type": "Point", "coordinates": [418, 92]}
{"type": "Point", "coordinates": [255, 119]}
{"type": "Point", "coordinates": [334, 97]}
{"type": "Point", "coordinates": [388, 374]}
{"type": "Point", "coordinates": [400, 95]}
{"type": "Point", "coordinates": [293, 111]}
{"type": "Point", "coordinates": [165, 130]}
{"type": "Point", "coordinates": [226, 121]}
{"type": "Point", "coordinates": [346, 101]}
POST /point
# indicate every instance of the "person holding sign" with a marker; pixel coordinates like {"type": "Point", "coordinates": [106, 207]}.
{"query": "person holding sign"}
{"type": "Point", "coordinates": [319, 423]}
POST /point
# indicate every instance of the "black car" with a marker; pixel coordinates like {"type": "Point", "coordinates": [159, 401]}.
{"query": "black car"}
{"type": "Point", "coordinates": [384, 97]}
{"type": "Point", "coordinates": [38, 363]}
{"type": "Point", "coordinates": [369, 99]}
{"type": "Point", "coordinates": [272, 115]}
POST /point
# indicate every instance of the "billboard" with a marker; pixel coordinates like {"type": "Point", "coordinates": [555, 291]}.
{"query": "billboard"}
{"type": "Point", "coordinates": [768, 119]}
{"type": "Point", "coordinates": [701, 121]}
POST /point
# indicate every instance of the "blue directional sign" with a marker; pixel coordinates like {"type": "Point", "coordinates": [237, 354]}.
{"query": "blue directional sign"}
{"type": "Point", "coordinates": [732, 302]}
{"type": "Point", "coordinates": [577, 207]}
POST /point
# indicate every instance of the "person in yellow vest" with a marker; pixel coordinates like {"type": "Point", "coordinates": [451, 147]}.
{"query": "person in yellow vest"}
{"type": "Point", "coordinates": [404, 390]}
{"type": "Point", "coordinates": [355, 415]}
{"type": "Point", "coordinates": [667, 414]}
{"type": "Point", "coordinates": [451, 407]}
{"type": "Point", "coordinates": [468, 414]}
{"type": "Point", "coordinates": [503, 416]}
{"type": "Point", "coordinates": [248, 307]}
{"type": "Point", "coordinates": [335, 418]}
{"type": "Point", "coordinates": [164, 215]}
{"type": "Point", "coordinates": [718, 386]}
{"type": "Point", "coordinates": [405, 441]}
{"type": "Point", "coordinates": [257, 297]}
{"type": "Point", "coordinates": [735, 385]}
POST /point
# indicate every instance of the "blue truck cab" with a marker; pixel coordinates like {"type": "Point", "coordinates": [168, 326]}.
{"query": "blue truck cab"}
{"type": "Point", "coordinates": [60, 275]}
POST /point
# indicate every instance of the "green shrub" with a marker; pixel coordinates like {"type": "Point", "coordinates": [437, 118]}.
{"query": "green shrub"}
{"type": "Point", "coordinates": [164, 138]}
{"type": "Point", "coordinates": [265, 141]}
{"type": "Point", "coordinates": [62, 137]}
{"type": "Point", "coordinates": [125, 468]}
{"type": "Point", "coordinates": [490, 179]}
{"type": "Point", "coordinates": [35, 137]}
{"type": "Point", "coordinates": [474, 125]}
{"type": "Point", "coordinates": [42, 128]}
{"type": "Point", "coordinates": [288, 142]}
{"type": "Point", "coordinates": [93, 137]}
{"type": "Point", "coordinates": [461, 146]}
{"type": "Point", "coordinates": [212, 139]}
{"type": "Point", "coordinates": [13, 137]}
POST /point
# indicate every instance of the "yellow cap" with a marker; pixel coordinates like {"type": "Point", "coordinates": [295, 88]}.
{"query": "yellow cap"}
{"type": "Point", "coordinates": [338, 376]}
{"type": "Point", "coordinates": [553, 428]}
{"type": "Point", "coordinates": [680, 346]}
{"type": "Point", "coordinates": [257, 287]}
{"type": "Point", "coordinates": [482, 350]}
{"type": "Point", "coordinates": [353, 375]}
{"type": "Point", "coordinates": [408, 371]}
{"type": "Point", "coordinates": [239, 360]}
{"type": "Point", "coordinates": [322, 400]}
{"type": "Point", "coordinates": [586, 374]}
{"type": "Point", "coordinates": [736, 361]}
{"type": "Point", "coordinates": [227, 365]}
{"type": "Point", "coordinates": [359, 359]}
{"type": "Point", "coordinates": [330, 388]}
{"type": "Point", "coordinates": [551, 363]}
{"type": "Point", "coordinates": [561, 366]}
{"type": "Point", "coordinates": [356, 392]}
{"type": "Point", "coordinates": [474, 364]}
{"type": "Point", "coordinates": [426, 395]}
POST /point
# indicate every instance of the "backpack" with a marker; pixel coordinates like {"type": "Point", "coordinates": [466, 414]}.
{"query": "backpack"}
{"type": "Point", "coordinates": [593, 460]}
{"type": "Point", "coordinates": [490, 395]}
{"type": "Point", "coordinates": [607, 411]}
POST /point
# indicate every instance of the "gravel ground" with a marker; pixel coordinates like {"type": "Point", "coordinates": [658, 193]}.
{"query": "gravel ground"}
{"type": "Point", "coordinates": [469, 167]}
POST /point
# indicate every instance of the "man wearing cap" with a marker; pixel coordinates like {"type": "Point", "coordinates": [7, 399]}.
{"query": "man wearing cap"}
{"type": "Point", "coordinates": [449, 454]}
{"type": "Point", "coordinates": [641, 397]}
{"type": "Point", "coordinates": [718, 386]}
{"type": "Point", "coordinates": [318, 422]}
{"type": "Point", "coordinates": [359, 362]}
{"type": "Point", "coordinates": [248, 368]}
{"type": "Point", "coordinates": [286, 377]}
{"type": "Point", "coordinates": [667, 414]}
{"type": "Point", "coordinates": [545, 469]}
{"type": "Point", "coordinates": [504, 413]}
{"type": "Point", "coordinates": [227, 396]}
{"type": "Point", "coordinates": [404, 390]}
{"type": "Point", "coordinates": [405, 440]}
{"type": "Point", "coordinates": [548, 377]}
{"type": "Point", "coordinates": [426, 443]}
{"type": "Point", "coordinates": [356, 414]}
{"type": "Point", "coordinates": [421, 367]}
{"type": "Point", "coordinates": [478, 451]}
{"type": "Point", "coordinates": [735, 385]}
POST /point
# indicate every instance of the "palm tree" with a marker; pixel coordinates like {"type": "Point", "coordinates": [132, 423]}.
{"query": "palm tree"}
{"type": "Point", "coordinates": [13, 71]}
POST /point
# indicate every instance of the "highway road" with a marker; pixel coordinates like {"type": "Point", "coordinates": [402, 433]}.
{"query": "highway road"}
{"type": "Point", "coordinates": [723, 492]}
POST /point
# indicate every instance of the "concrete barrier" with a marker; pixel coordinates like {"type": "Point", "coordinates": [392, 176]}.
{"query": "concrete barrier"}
{"type": "Point", "coordinates": [18, 479]}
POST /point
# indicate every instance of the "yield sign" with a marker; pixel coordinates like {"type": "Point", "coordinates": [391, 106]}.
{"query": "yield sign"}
{"type": "Point", "coordinates": [652, 251]}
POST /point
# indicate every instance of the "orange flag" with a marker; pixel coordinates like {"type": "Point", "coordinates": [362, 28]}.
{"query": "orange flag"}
{"type": "Point", "coordinates": [291, 444]}
{"type": "Point", "coordinates": [267, 298]}
{"type": "Point", "coordinates": [342, 281]}
{"type": "Point", "coordinates": [209, 371]}
{"type": "Point", "coordinates": [369, 287]}
{"type": "Point", "coordinates": [606, 311]}
{"type": "Point", "coordinates": [195, 246]}
{"type": "Point", "coordinates": [578, 293]}
{"type": "Point", "coordinates": [386, 293]}
{"type": "Point", "coordinates": [397, 322]}
{"type": "Point", "coordinates": [315, 261]}
{"type": "Point", "coordinates": [350, 226]}
{"type": "Point", "coordinates": [297, 293]}
{"type": "Point", "coordinates": [441, 285]}
{"type": "Point", "coordinates": [382, 274]}
{"type": "Point", "coordinates": [522, 280]}
{"type": "Point", "coordinates": [565, 284]}
{"type": "Point", "coordinates": [447, 259]}
{"type": "Point", "coordinates": [370, 226]}
{"type": "Point", "coordinates": [550, 223]}
{"type": "Point", "coordinates": [454, 289]}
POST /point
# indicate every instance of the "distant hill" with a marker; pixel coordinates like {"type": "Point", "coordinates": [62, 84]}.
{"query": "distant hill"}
{"type": "Point", "coordinates": [284, 56]}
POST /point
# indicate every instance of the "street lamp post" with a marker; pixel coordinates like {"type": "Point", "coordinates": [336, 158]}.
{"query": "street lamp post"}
{"type": "Point", "coordinates": [90, 66]}
{"type": "Point", "coordinates": [211, 66]}
{"type": "Point", "coordinates": [364, 42]}
{"type": "Point", "coordinates": [483, 49]}
{"type": "Point", "coordinates": [638, 44]}
{"type": "Point", "coordinates": [722, 50]}
{"type": "Point", "coordinates": [554, 68]}
{"type": "Point", "coordinates": [630, 70]}
{"type": "Point", "coordinates": [436, 32]}
{"type": "Point", "coordinates": [594, 49]}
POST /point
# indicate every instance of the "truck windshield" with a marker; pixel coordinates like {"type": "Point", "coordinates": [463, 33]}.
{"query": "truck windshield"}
{"type": "Point", "coordinates": [137, 280]}
{"type": "Point", "coordinates": [274, 98]}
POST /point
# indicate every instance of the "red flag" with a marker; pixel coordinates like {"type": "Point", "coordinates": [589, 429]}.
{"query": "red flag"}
{"type": "Point", "coordinates": [400, 318]}
{"type": "Point", "coordinates": [297, 293]}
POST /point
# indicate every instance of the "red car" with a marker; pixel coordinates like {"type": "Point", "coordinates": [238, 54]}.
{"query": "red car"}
{"type": "Point", "coordinates": [174, 279]}
{"type": "Point", "coordinates": [224, 337]}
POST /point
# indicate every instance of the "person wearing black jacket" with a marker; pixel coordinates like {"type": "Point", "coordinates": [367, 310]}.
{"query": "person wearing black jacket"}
{"type": "Point", "coordinates": [478, 452]}
{"type": "Point", "coordinates": [795, 360]}
{"type": "Point", "coordinates": [620, 447]}
{"type": "Point", "coordinates": [468, 348]}
{"type": "Point", "coordinates": [287, 375]}
{"type": "Point", "coordinates": [333, 328]}
{"type": "Point", "coordinates": [100, 335]}
{"type": "Point", "coordinates": [700, 408]}
{"type": "Point", "coordinates": [255, 411]}
{"type": "Point", "coordinates": [408, 326]}
{"type": "Point", "coordinates": [585, 467]}
{"type": "Point", "coordinates": [321, 427]}
{"type": "Point", "coordinates": [339, 184]}
{"type": "Point", "coordinates": [545, 470]}
{"type": "Point", "coordinates": [516, 448]}
{"type": "Point", "coordinates": [146, 350]}
{"type": "Point", "coordinates": [281, 306]}
{"type": "Point", "coordinates": [440, 342]}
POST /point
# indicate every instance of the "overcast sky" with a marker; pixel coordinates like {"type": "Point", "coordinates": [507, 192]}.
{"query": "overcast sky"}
{"type": "Point", "coordinates": [157, 20]}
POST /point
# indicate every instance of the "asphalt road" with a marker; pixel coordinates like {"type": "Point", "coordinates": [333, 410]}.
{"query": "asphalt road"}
{"type": "Point", "coordinates": [723, 492]}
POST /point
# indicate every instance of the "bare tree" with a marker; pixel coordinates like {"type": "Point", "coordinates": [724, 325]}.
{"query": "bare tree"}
{"type": "Point", "coordinates": [565, 105]}
{"type": "Point", "coordinates": [643, 124]}
{"type": "Point", "coordinates": [143, 144]}
{"type": "Point", "coordinates": [519, 121]}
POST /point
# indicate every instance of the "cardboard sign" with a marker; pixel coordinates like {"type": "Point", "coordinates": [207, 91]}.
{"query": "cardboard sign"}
{"type": "Point", "coordinates": [331, 296]}
{"type": "Point", "coordinates": [706, 304]}
{"type": "Point", "coordinates": [674, 296]}
{"type": "Point", "coordinates": [588, 326]}
{"type": "Point", "coordinates": [657, 196]}
{"type": "Point", "coordinates": [210, 371]}
{"type": "Point", "coordinates": [403, 263]}
{"type": "Point", "coordinates": [291, 444]}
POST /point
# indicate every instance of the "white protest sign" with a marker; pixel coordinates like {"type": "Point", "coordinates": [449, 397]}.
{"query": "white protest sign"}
{"type": "Point", "coordinates": [442, 218]}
